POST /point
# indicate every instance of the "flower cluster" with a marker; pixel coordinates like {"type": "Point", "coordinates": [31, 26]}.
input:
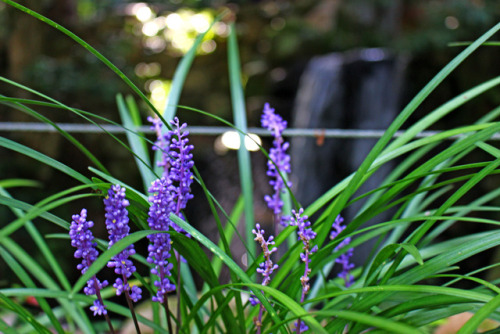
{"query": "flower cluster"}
{"type": "Point", "coordinates": [344, 258]}
{"type": "Point", "coordinates": [279, 163]}
{"type": "Point", "coordinates": [162, 143]}
{"type": "Point", "coordinates": [160, 244]}
{"type": "Point", "coordinates": [267, 267]}
{"type": "Point", "coordinates": [83, 240]}
{"type": "Point", "coordinates": [170, 194]}
{"type": "Point", "coordinates": [181, 162]}
{"type": "Point", "coordinates": [306, 235]}
{"type": "Point", "coordinates": [117, 225]}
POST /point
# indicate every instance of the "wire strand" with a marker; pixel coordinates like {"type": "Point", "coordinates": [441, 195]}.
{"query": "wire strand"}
{"type": "Point", "coordinates": [211, 130]}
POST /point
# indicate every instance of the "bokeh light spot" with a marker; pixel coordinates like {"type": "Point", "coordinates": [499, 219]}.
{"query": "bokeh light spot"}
{"type": "Point", "coordinates": [451, 22]}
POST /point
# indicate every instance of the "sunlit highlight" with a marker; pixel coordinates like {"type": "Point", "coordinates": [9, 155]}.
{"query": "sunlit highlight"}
{"type": "Point", "coordinates": [177, 31]}
{"type": "Point", "coordinates": [142, 12]}
{"type": "Point", "coordinates": [231, 140]}
{"type": "Point", "coordinates": [160, 90]}
{"type": "Point", "coordinates": [145, 70]}
{"type": "Point", "coordinates": [150, 28]}
{"type": "Point", "coordinates": [200, 22]}
{"type": "Point", "coordinates": [174, 21]}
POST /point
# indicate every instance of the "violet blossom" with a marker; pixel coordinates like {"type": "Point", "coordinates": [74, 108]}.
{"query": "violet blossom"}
{"type": "Point", "coordinates": [117, 225]}
{"type": "Point", "coordinates": [170, 194]}
{"type": "Point", "coordinates": [306, 235]}
{"type": "Point", "coordinates": [160, 243]}
{"type": "Point", "coordinates": [279, 162]}
{"type": "Point", "coordinates": [181, 163]}
{"type": "Point", "coordinates": [162, 143]}
{"type": "Point", "coordinates": [267, 267]}
{"type": "Point", "coordinates": [83, 240]}
{"type": "Point", "coordinates": [344, 258]}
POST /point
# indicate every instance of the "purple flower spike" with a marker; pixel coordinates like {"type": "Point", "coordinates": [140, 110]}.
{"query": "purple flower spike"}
{"type": "Point", "coordinates": [177, 162]}
{"type": "Point", "coordinates": [302, 327]}
{"type": "Point", "coordinates": [279, 162]}
{"type": "Point", "coordinates": [267, 267]}
{"type": "Point", "coordinates": [98, 308]}
{"type": "Point", "coordinates": [180, 174]}
{"type": "Point", "coordinates": [160, 244]}
{"type": "Point", "coordinates": [82, 240]}
{"type": "Point", "coordinates": [306, 234]}
{"type": "Point", "coordinates": [344, 258]}
{"type": "Point", "coordinates": [117, 224]}
{"type": "Point", "coordinates": [170, 194]}
{"type": "Point", "coordinates": [253, 300]}
{"type": "Point", "coordinates": [272, 121]}
{"type": "Point", "coordinates": [162, 143]}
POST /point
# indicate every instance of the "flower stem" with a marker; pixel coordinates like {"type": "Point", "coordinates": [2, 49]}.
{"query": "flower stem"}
{"type": "Point", "coordinates": [304, 290]}
{"type": "Point", "coordinates": [258, 324]}
{"type": "Point", "coordinates": [99, 297]}
{"type": "Point", "coordinates": [130, 306]}
{"type": "Point", "coordinates": [178, 257]}
{"type": "Point", "coordinates": [167, 313]}
{"type": "Point", "coordinates": [165, 304]}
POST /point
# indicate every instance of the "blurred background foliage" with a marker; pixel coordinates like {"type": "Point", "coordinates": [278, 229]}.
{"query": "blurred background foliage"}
{"type": "Point", "coordinates": [147, 39]}
{"type": "Point", "coordinates": [277, 38]}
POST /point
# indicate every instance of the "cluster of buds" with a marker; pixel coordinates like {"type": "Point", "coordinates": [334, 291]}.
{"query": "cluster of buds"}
{"type": "Point", "coordinates": [306, 235]}
{"type": "Point", "coordinates": [278, 169]}
{"type": "Point", "coordinates": [267, 267]}
{"type": "Point", "coordinates": [169, 194]}
{"type": "Point", "coordinates": [83, 240]}
{"type": "Point", "coordinates": [278, 164]}
{"type": "Point", "coordinates": [117, 225]}
{"type": "Point", "coordinates": [344, 258]}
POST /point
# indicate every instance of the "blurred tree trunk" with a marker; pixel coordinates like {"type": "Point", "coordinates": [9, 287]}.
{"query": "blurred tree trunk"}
{"type": "Point", "coordinates": [324, 15]}
{"type": "Point", "coordinates": [29, 39]}
{"type": "Point", "coordinates": [25, 42]}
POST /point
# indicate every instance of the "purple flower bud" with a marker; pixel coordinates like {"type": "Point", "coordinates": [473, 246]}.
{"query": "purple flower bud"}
{"type": "Point", "coordinates": [117, 225]}
{"type": "Point", "coordinates": [279, 162]}
{"type": "Point", "coordinates": [267, 267]}
{"type": "Point", "coordinates": [180, 174]}
{"type": "Point", "coordinates": [253, 300]}
{"type": "Point", "coordinates": [344, 258]}
{"type": "Point", "coordinates": [170, 194]}
{"type": "Point", "coordinates": [98, 308]}
{"type": "Point", "coordinates": [306, 234]}
{"type": "Point", "coordinates": [162, 144]}
{"type": "Point", "coordinates": [302, 327]}
{"type": "Point", "coordinates": [83, 240]}
{"type": "Point", "coordinates": [160, 244]}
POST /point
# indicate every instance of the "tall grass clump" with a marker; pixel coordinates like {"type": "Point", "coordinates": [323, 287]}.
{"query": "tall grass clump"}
{"type": "Point", "coordinates": [407, 284]}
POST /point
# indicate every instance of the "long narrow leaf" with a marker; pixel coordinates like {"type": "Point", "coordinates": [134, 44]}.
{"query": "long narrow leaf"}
{"type": "Point", "coordinates": [137, 144]}
{"type": "Point", "coordinates": [239, 114]}
{"type": "Point", "coordinates": [14, 146]}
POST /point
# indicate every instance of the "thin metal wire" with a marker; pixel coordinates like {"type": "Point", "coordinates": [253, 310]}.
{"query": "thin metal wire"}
{"type": "Point", "coordinates": [210, 130]}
